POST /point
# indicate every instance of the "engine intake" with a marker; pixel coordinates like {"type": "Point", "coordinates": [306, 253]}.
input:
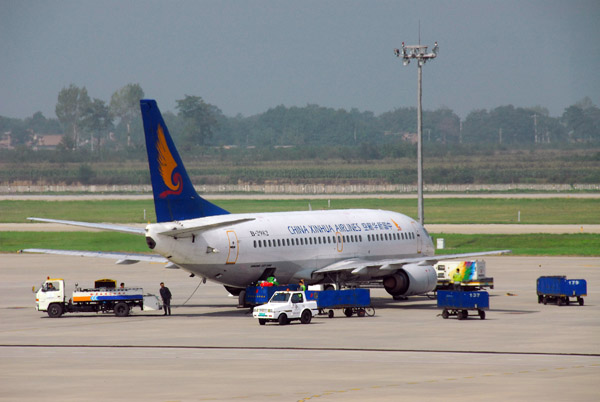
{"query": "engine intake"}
{"type": "Point", "coordinates": [411, 279]}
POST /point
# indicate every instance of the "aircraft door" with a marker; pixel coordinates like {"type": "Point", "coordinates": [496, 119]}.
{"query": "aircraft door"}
{"type": "Point", "coordinates": [418, 235]}
{"type": "Point", "coordinates": [232, 256]}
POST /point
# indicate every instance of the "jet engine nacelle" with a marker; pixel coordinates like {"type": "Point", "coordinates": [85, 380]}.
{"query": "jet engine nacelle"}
{"type": "Point", "coordinates": [411, 279]}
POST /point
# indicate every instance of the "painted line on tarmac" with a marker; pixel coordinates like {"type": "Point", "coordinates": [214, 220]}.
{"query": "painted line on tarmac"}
{"type": "Point", "coordinates": [300, 348]}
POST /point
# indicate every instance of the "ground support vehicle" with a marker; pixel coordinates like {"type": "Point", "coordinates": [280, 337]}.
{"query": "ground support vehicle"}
{"type": "Point", "coordinates": [472, 275]}
{"type": "Point", "coordinates": [255, 295]}
{"type": "Point", "coordinates": [559, 290]}
{"type": "Point", "coordinates": [286, 306]}
{"type": "Point", "coordinates": [104, 297]}
{"type": "Point", "coordinates": [351, 301]}
{"type": "Point", "coordinates": [458, 303]}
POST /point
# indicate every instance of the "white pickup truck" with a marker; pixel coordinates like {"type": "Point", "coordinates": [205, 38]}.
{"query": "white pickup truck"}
{"type": "Point", "coordinates": [285, 307]}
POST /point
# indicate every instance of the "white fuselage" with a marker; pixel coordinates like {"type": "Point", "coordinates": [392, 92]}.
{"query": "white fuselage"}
{"type": "Point", "coordinates": [293, 244]}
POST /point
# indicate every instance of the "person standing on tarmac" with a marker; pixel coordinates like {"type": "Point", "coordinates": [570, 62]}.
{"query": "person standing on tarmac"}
{"type": "Point", "coordinates": [456, 279]}
{"type": "Point", "coordinates": [165, 294]}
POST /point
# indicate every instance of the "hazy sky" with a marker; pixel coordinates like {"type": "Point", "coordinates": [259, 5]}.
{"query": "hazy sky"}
{"type": "Point", "coordinates": [248, 56]}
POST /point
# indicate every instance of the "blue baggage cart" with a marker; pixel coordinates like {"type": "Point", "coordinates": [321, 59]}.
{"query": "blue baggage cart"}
{"type": "Point", "coordinates": [255, 295]}
{"type": "Point", "coordinates": [459, 303]}
{"type": "Point", "coordinates": [351, 301]}
{"type": "Point", "coordinates": [560, 290]}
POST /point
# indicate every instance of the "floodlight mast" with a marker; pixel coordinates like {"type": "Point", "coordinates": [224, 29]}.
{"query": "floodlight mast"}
{"type": "Point", "coordinates": [419, 53]}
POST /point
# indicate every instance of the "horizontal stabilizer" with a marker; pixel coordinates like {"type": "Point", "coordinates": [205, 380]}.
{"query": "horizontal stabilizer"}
{"type": "Point", "coordinates": [120, 257]}
{"type": "Point", "coordinates": [187, 232]}
{"type": "Point", "coordinates": [91, 225]}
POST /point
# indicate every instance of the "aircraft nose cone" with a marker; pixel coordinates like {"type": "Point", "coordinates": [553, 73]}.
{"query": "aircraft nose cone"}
{"type": "Point", "coordinates": [150, 242]}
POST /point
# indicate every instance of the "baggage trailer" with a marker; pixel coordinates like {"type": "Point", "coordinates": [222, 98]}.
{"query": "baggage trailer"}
{"type": "Point", "coordinates": [459, 303]}
{"type": "Point", "coordinates": [104, 297]}
{"type": "Point", "coordinates": [351, 301]}
{"type": "Point", "coordinates": [560, 290]}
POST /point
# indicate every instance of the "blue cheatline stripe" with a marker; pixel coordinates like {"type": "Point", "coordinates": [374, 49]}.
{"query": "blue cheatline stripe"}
{"type": "Point", "coordinates": [119, 297]}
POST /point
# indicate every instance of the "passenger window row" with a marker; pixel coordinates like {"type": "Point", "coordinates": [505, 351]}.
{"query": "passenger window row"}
{"type": "Point", "coordinates": [307, 241]}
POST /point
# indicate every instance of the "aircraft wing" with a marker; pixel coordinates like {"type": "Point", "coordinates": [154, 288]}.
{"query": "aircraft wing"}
{"type": "Point", "coordinates": [104, 226]}
{"type": "Point", "coordinates": [122, 258]}
{"type": "Point", "coordinates": [359, 265]}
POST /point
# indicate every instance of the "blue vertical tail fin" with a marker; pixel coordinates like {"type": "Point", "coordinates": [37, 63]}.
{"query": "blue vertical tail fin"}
{"type": "Point", "coordinates": [175, 198]}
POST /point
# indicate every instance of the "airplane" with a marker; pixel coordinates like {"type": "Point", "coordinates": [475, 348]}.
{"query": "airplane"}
{"type": "Point", "coordinates": [342, 247]}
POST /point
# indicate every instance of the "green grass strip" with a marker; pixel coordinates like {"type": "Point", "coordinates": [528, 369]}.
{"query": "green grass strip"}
{"type": "Point", "coordinates": [90, 241]}
{"type": "Point", "coordinates": [578, 244]}
{"type": "Point", "coordinates": [441, 211]}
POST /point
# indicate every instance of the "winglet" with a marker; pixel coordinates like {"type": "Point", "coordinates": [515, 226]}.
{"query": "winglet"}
{"type": "Point", "coordinates": [174, 195]}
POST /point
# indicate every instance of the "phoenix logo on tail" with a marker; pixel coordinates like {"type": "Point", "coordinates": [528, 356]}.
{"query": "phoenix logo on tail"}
{"type": "Point", "coordinates": [167, 165]}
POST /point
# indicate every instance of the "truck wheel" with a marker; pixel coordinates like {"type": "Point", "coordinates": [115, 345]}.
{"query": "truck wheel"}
{"type": "Point", "coordinates": [540, 298]}
{"type": "Point", "coordinates": [121, 309]}
{"type": "Point", "coordinates": [361, 312]}
{"type": "Point", "coordinates": [348, 312]}
{"type": "Point", "coordinates": [559, 301]}
{"type": "Point", "coordinates": [262, 321]}
{"type": "Point", "coordinates": [283, 319]}
{"type": "Point", "coordinates": [445, 314]}
{"type": "Point", "coordinates": [482, 314]}
{"type": "Point", "coordinates": [331, 314]}
{"type": "Point", "coordinates": [55, 310]}
{"type": "Point", "coordinates": [545, 300]}
{"type": "Point", "coordinates": [306, 317]}
{"type": "Point", "coordinates": [370, 311]}
{"type": "Point", "coordinates": [580, 300]}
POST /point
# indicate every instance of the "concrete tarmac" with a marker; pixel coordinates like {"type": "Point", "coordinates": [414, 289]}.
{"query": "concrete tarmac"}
{"type": "Point", "coordinates": [209, 350]}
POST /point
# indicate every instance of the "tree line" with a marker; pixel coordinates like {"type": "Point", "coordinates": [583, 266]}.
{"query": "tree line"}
{"type": "Point", "coordinates": [93, 126]}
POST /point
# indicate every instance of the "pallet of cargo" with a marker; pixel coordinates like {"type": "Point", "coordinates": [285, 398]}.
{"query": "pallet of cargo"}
{"type": "Point", "coordinates": [459, 303]}
{"type": "Point", "coordinates": [560, 290]}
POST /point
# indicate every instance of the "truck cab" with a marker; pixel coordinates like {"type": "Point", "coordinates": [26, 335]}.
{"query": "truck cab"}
{"type": "Point", "coordinates": [286, 306]}
{"type": "Point", "coordinates": [51, 291]}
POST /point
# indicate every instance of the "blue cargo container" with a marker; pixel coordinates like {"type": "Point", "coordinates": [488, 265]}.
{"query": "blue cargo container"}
{"type": "Point", "coordinates": [255, 295]}
{"type": "Point", "coordinates": [352, 301]}
{"type": "Point", "coordinates": [560, 290]}
{"type": "Point", "coordinates": [459, 303]}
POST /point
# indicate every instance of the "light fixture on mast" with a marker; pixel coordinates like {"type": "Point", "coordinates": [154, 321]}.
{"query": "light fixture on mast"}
{"type": "Point", "coordinates": [419, 53]}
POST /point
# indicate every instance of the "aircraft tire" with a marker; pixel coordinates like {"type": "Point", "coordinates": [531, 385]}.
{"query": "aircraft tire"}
{"type": "Point", "coordinates": [242, 299]}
